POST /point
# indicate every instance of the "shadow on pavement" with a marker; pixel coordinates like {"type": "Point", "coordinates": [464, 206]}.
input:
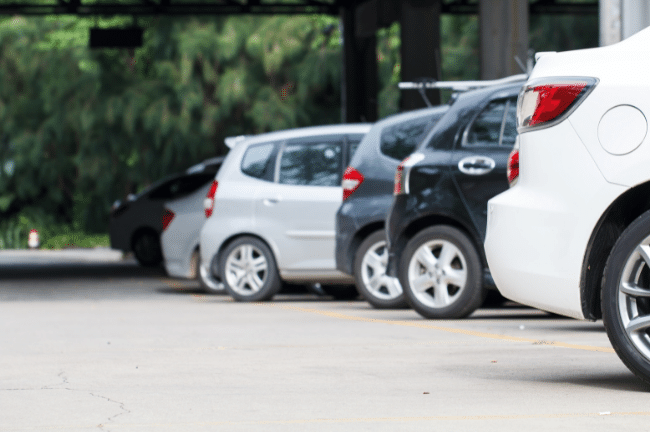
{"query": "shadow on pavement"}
{"type": "Point", "coordinates": [622, 381]}
{"type": "Point", "coordinates": [77, 270]}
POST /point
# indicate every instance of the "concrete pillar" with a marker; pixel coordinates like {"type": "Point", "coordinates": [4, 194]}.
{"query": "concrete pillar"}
{"type": "Point", "coordinates": [636, 16]}
{"type": "Point", "coordinates": [610, 22]}
{"type": "Point", "coordinates": [503, 35]}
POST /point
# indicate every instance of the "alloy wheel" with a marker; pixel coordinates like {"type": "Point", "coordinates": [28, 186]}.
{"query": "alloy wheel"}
{"type": "Point", "coordinates": [373, 273]}
{"type": "Point", "coordinates": [437, 273]}
{"type": "Point", "coordinates": [246, 269]}
{"type": "Point", "coordinates": [634, 297]}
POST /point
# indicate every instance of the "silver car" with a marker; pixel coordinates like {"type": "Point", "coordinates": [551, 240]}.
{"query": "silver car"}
{"type": "Point", "coordinates": [271, 212]}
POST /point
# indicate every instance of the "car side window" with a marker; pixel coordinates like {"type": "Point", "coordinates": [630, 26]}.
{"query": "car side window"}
{"type": "Point", "coordinates": [510, 126]}
{"type": "Point", "coordinates": [400, 140]}
{"type": "Point", "coordinates": [181, 186]}
{"type": "Point", "coordinates": [258, 160]}
{"type": "Point", "coordinates": [495, 125]}
{"type": "Point", "coordinates": [311, 163]}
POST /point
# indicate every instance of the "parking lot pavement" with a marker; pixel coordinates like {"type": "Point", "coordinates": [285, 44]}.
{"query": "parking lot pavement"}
{"type": "Point", "coordinates": [115, 347]}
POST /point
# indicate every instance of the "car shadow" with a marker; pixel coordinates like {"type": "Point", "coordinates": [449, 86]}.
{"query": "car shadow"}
{"type": "Point", "coordinates": [77, 270]}
{"type": "Point", "coordinates": [620, 381]}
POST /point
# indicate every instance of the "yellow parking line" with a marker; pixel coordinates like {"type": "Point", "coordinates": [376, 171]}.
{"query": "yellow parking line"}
{"type": "Point", "coordinates": [427, 325]}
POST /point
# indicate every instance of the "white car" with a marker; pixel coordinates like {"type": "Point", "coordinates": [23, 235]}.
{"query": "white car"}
{"type": "Point", "coordinates": [572, 236]}
{"type": "Point", "coordinates": [182, 220]}
{"type": "Point", "coordinates": [271, 212]}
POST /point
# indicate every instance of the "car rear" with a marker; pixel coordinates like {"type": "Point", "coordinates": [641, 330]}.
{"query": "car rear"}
{"type": "Point", "coordinates": [568, 170]}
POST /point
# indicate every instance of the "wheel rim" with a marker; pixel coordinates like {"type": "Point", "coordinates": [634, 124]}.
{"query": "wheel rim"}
{"type": "Point", "coordinates": [437, 274]}
{"type": "Point", "coordinates": [373, 273]}
{"type": "Point", "coordinates": [246, 270]}
{"type": "Point", "coordinates": [210, 281]}
{"type": "Point", "coordinates": [634, 297]}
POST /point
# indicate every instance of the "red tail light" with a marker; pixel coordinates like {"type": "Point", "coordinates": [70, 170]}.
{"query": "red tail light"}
{"type": "Point", "coordinates": [208, 202]}
{"type": "Point", "coordinates": [167, 217]}
{"type": "Point", "coordinates": [352, 179]}
{"type": "Point", "coordinates": [547, 102]}
{"type": "Point", "coordinates": [513, 167]}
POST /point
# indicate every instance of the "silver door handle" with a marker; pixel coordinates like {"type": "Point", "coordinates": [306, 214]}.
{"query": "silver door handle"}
{"type": "Point", "coordinates": [476, 165]}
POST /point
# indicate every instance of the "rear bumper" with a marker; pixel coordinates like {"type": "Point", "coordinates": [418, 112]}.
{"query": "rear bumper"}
{"type": "Point", "coordinates": [538, 231]}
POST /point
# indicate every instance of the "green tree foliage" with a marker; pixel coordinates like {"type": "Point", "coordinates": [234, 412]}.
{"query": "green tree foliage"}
{"type": "Point", "coordinates": [83, 127]}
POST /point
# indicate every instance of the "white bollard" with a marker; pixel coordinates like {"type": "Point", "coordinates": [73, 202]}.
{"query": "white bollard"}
{"type": "Point", "coordinates": [32, 240]}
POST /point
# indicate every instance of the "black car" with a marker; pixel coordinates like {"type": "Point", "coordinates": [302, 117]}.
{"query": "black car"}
{"type": "Point", "coordinates": [135, 225]}
{"type": "Point", "coordinates": [436, 225]}
{"type": "Point", "coordinates": [367, 196]}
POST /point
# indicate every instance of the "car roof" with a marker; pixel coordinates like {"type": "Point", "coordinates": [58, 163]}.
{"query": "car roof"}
{"type": "Point", "coordinates": [348, 128]}
{"type": "Point", "coordinates": [205, 164]}
{"type": "Point", "coordinates": [409, 115]}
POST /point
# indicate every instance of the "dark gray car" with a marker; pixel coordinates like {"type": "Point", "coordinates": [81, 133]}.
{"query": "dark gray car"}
{"type": "Point", "coordinates": [135, 224]}
{"type": "Point", "coordinates": [367, 196]}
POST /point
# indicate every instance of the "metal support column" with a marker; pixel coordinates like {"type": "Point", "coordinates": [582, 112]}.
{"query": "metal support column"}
{"type": "Point", "coordinates": [359, 85]}
{"type": "Point", "coordinates": [420, 48]}
{"type": "Point", "coordinates": [503, 35]}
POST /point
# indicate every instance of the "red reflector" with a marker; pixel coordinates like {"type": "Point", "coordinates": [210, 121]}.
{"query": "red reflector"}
{"type": "Point", "coordinates": [553, 100]}
{"type": "Point", "coordinates": [208, 203]}
{"type": "Point", "coordinates": [397, 189]}
{"type": "Point", "coordinates": [167, 217]}
{"type": "Point", "coordinates": [352, 179]}
{"type": "Point", "coordinates": [512, 169]}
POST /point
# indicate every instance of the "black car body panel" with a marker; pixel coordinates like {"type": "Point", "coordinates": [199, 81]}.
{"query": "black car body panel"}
{"type": "Point", "coordinates": [443, 187]}
{"type": "Point", "coordinates": [365, 210]}
{"type": "Point", "coordinates": [143, 212]}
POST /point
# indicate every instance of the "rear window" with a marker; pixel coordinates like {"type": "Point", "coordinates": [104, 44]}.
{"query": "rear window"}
{"type": "Point", "coordinates": [257, 161]}
{"type": "Point", "coordinates": [181, 186]}
{"type": "Point", "coordinates": [400, 140]}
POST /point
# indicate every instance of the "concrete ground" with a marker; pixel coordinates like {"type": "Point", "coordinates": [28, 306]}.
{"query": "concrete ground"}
{"type": "Point", "coordinates": [102, 344]}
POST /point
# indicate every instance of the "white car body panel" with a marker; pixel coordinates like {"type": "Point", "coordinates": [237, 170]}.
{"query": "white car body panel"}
{"type": "Point", "coordinates": [538, 231]}
{"type": "Point", "coordinates": [623, 73]}
{"type": "Point", "coordinates": [181, 237]}
{"type": "Point", "coordinates": [535, 241]}
{"type": "Point", "coordinates": [297, 222]}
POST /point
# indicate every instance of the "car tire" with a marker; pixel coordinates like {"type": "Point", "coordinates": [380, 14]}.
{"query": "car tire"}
{"type": "Point", "coordinates": [445, 285]}
{"type": "Point", "coordinates": [341, 292]}
{"type": "Point", "coordinates": [146, 248]}
{"type": "Point", "coordinates": [372, 282]}
{"type": "Point", "coordinates": [207, 281]}
{"type": "Point", "coordinates": [625, 297]}
{"type": "Point", "coordinates": [248, 270]}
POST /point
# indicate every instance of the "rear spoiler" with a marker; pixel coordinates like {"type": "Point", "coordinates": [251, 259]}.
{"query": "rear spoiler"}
{"type": "Point", "coordinates": [234, 140]}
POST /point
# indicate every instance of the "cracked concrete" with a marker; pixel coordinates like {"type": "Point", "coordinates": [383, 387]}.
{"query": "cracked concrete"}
{"type": "Point", "coordinates": [127, 352]}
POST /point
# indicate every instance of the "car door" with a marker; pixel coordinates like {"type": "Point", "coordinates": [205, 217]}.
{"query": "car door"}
{"type": "Point", "coordinates": [297, 211]}
{"type": "Point", "coordinates": [480, 158]}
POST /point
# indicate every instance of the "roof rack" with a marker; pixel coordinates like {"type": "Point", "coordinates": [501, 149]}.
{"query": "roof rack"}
{"type": "Point", "coordinates": [458, 86]}
{"type": "Point", "coordinates": [429, 83]}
